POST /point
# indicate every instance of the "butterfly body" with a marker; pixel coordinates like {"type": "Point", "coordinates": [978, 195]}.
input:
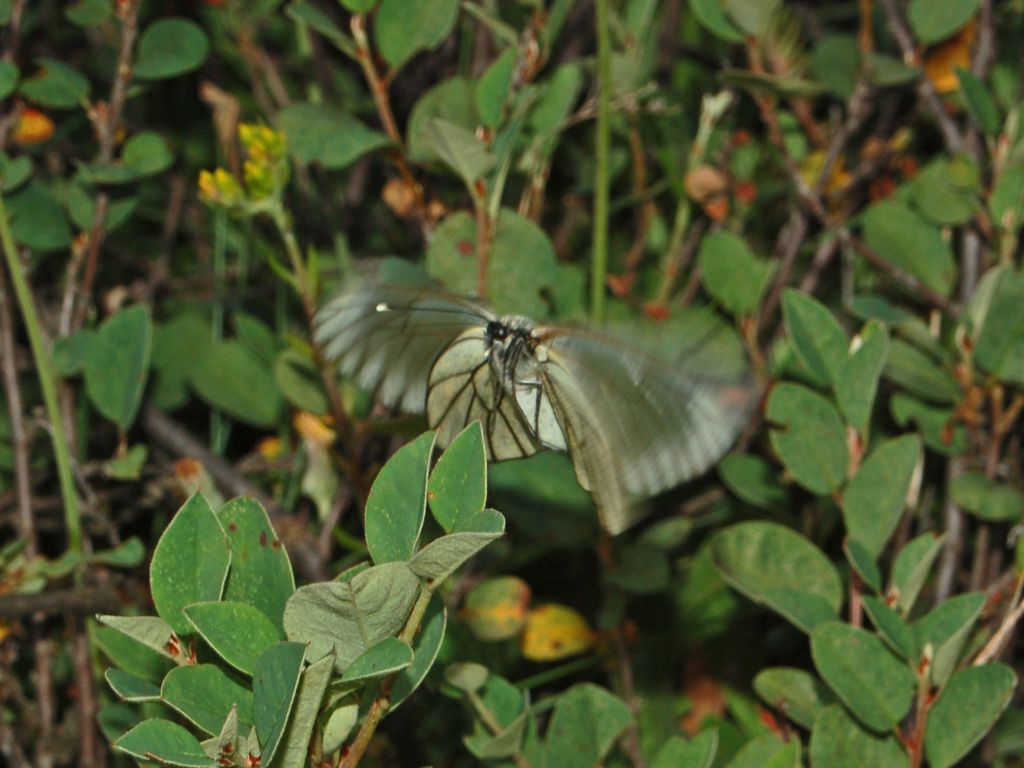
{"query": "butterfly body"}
{"type": "Point", "coordinates": [633, 425]}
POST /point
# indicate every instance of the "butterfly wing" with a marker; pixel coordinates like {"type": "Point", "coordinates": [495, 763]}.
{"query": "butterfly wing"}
{"type": "Point", "coordinates": [635, 425]}
{"type": "Point", "coordinates": [389, 337]}
{"type": "Point", "coordinates": [462, 389]}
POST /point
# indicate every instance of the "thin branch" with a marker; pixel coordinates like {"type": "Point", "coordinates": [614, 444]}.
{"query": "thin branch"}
{"type": "Point", "coordinates": [379, 91]}
{"type": "Point", "coordinates": [950, 131]}
{"type": "Point", "coordinates": [80, 601]}
{"type": "Point", "coordinates": [918, 288]}
{"type": "Point", "coordinates": [106, 120]}
{"type": "Point", "coordinates": [602, 175]}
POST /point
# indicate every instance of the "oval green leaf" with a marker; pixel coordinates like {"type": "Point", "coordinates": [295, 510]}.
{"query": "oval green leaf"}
{"type": "Point", "coordinates": [874, 685]}
{"type": "Point", "coordinates": [781, 569]}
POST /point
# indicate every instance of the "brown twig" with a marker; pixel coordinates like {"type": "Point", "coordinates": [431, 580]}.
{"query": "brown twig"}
{"type": "Point", "coordinates": [45, 706]}
{"type": "Point", "coordinates": [106, 119]}
{"type": "Point", "coordinates": [379, 91]}
{"type": "Point", "coordinates": [91, 746]}
{"type": "Point", "coordinates": [787, 247]}
{"type": "Point", "coordinates": [80, 601]}
{"type": "Point", "coordinates": [951, 134]}
{"type": "Point", "coordinates": [918, 288]}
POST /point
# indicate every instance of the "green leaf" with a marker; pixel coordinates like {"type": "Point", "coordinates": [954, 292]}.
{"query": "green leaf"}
{"type": "Point", "coordinates": [809, 437]}
{"type": "Point", "coordinates": [839, 741]}
{"type": "Point", "coordinates": [493, 87]}
{"type": "Point", "coordinates": [698, 753]}
{"type": "Point", "coordinates": [999, 348]}
{"type": "Point", "coordinates": [935, 20]}
{"type": "Point", "coordinates": [347, 617]}
{"type": "Point", "coordinates": [466, 676]}
{"type": "Point", "coordinates": [496, 608]}
{"type": "Point", "coordinates": [857, 384]}
{"type": "Point", "coordinates": [586, 723]}
{"type": "Point", "coordinates": [405, 27]}
{"type": "Point", "coordinates": [190, 563]}
{"type": "Point", "coordinates": [299, 381]}
{"type": "Point", "coordinates": [875, 685]}
{"type": "Point", "coordinates": [907, 241]}
{"type": "Point", "coordinates": [460, 149]}
{"type": "Point", "coordinates": [798, 694]}
{"type": "Point", "coordinates": [55, 85]}
{"type": "Point", "coordinates": [37, 219]}
{"type": "Point", "coordinates": [834, 62]}
{"type": "Point", "coordinates": [261, 574]}
{"type": "Point", "coordinates": [711, 13]}
{"type": "Point", "coordinates": [131, 655]}
{"type": "Point", "coordinates": [151, 631]}
{"type": "Point", "coordinates": [81, 203]}
{"type": "Point", "coordinates": [129, 466]}
{"type": "Point", "coordinates": [441, 557]}
{"type": "Point", "coordinates": [965, 711]}
{"type": "Point", "coordinates": [778, 567]}
{"type": "Point", "coordinates": [986, 499]}
{"type": "Point", "coordinates": [176, 343]}
{"type": "Point", "coordinates": [752, 16]}
{"type": "Point", "coordinates": [321, 134]}
{"type": "Point", "coordinates": [520, 268]}
{"type": "Point", "coordinates": [819, 340]}
{"type": "Point", "coordinates": [911, 567]}
{"type": "Point", "coordinates": [117, 364]}
{"type": "Point", "coordinates": [508, 706]}
{"type": "Point", "coordinates": [294, 749]}
{"type": "Point", "coordinates": [89, 13]}
{"type": "Point", "coordinates": [732, 274]}
{"type": "Point", "coordinates": [946, 191]}
{"type": "Point", "coordinates": [458, 485]}
{"type": "Point", "coordinates": [339, 725]}
{"type": "Point", "coordinates": [946, 628]}
{"type": "Point", "coordinates": [147, 154]}
{"type": "Point", "coordinates": [863, 564]}
{"type": "Point", "coordinates": [1007, 200]}
{"type": "Point", "coordinates": [9, 75]}
{"type": "Point", "coordinates": [164, 741]}
{"type": "Point", "coordinates": [13, 172]}
{"type": "Point", "coordinates": [425, 648]}
{"type": "Point", "coordinates": [384, 657]}
{"type": "Point", "coordinates": [128, 554]}
{"type": "Point", "coordinates": [128, 687]}
{"type": "Point", "coordinates": [753, 479]}
{"type": "Point", "coordinates": [933, 422]}
{"type": "Point", "coordinates": [274, 684]}
{"type": "Point", "coordinates": [915, 372]}
{"type": "Point", "coordinates": [227, 377]}
{"type": "Point", "coordinates": [170, 47]}
{"type": "Point", "coordinates": [397, 502]}
{"type": "Point", "coordinates": [453, 100]}
{"type": "Point", "coordinates": [891, 627]}
{"type": "Point", "coordinates": [238, 632]}
{"type": "Point", "coordinates": [874, 499]}
{"type": "Point", "coordinates": [205, 695]}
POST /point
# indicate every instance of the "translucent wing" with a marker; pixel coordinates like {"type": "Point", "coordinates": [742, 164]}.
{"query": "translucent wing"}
{"type": "Point", "coordinates": [389, 337]}
{"type": "Point", "coordinates": [462, 389]}
{"type": "Point", "coordinates": [636, 426]}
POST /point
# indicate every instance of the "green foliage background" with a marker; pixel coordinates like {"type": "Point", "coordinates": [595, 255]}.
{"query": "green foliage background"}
{"type": "Point", "coordinates": [840, 184]}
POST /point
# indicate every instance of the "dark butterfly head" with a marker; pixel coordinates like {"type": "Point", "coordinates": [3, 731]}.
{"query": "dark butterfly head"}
{"type": "Point", "coordinates": [496, 331]}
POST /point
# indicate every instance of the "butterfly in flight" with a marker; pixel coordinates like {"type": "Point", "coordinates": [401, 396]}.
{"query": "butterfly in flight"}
{"type": "Point", "coordinates": [632, 424]}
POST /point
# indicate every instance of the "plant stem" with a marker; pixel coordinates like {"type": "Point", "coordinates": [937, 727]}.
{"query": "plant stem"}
{"type": "Point", "coordinates": [47, 383]}
{"type": "Point", "coordinates": [599, 266]}
{"type": "Point", "coordinates": [383, 701]}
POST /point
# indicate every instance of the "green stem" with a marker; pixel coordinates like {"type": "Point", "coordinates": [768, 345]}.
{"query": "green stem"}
{"type": "Point", "coordinates": [602, 182]}
{"type": "Point", "coordinates": [47, 383]}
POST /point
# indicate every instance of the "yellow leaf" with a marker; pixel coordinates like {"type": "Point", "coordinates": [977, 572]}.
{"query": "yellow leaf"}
{"type": "Point", "coordinates": [554, 632]}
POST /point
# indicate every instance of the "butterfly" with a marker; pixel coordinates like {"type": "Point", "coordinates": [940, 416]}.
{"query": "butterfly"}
{"type": "Point", "coordinates": [633, 425]}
